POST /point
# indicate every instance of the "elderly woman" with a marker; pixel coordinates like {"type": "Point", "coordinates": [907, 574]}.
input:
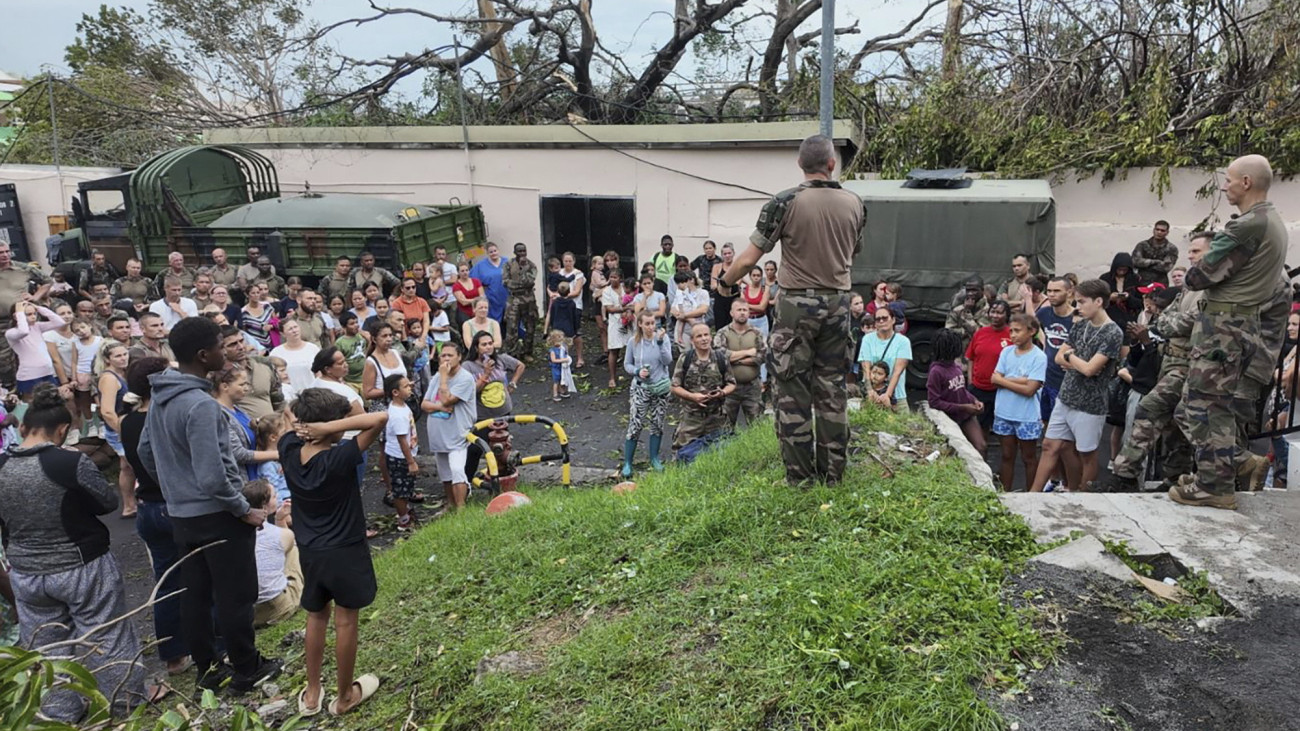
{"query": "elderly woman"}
{"type": "Point", "coordinates": [65, 580]}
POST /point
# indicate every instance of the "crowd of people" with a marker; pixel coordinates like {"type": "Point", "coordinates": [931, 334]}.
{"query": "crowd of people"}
{"type": "Point", "coordinates": [241, 406]}
{"type": "Point", "coordinates": [1045, 363]}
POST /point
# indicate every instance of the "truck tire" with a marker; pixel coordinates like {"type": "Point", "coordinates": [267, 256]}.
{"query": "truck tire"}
{"type": "Point", "coordinates": [922, 336]}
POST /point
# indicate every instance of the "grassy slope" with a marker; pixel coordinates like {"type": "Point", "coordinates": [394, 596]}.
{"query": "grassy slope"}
{"type": "Point", "coordinates": [712, 597]}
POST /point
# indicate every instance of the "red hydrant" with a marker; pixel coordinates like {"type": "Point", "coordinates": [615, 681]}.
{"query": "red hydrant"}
{"type": "Point", "coordinates": [498, 439]}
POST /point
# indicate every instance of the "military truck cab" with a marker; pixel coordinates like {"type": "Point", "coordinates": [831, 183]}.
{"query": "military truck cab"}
{"type": "Point", "coordinates": [934, 230]}
{"type": "Point", "coordinates": [196, 199]}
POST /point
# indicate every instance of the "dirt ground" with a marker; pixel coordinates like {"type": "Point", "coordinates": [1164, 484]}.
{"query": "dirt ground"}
{"type": "Point", "coordinates": [1115, 674]}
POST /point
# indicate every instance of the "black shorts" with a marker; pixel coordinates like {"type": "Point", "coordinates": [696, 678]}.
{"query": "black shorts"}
{"type": "Point", "coordinates": [344, 576]}
{"type": "Point", "coordinates": [988, 398]}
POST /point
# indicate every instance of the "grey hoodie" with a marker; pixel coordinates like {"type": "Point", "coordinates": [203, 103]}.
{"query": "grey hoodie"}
{"type": "Point", "coordinates": [186, 447]}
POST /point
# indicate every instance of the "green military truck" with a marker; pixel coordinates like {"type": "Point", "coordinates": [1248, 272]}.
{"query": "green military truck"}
{"type": "Point", "coordinates": [933, 231]}
{"type": "Point", "coordinates": [196, 199]}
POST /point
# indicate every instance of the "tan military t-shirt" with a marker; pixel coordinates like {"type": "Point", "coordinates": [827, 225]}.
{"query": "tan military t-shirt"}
{"type": "Point", "coordinates": [819, 237]}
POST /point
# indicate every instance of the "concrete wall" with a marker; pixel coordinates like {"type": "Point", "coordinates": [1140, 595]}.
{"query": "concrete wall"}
{"type": "Point", "coordinates": [40, 195]}
{"type": "Point", "coordinates": [509, 184]}
{"type": "Point", "coordinates": [1095, 219]}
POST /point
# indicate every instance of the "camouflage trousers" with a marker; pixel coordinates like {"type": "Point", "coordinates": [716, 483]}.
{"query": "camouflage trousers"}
{"type": "Point", "coordinates": [1219, 398]}
{"type": "Point", "coordinates": [520, 311]}
{"type": "Point", "coordinates": [808, 356]}
{"type": "Point", "coordinates": [746, 399]}
{"type": "Point", "coordinates": [8, 365]}
{"type": "Point", "coordinates": [1154, 418]}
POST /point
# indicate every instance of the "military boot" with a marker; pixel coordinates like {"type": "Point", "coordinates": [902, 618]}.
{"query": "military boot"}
{"type": "Point", "coordinates": [1187, 493]}
{"type": "Point", "coordinates": [1252, 472]}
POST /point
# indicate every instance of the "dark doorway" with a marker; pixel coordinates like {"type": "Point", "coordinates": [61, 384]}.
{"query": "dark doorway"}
{"type": "Point", "coordinates": [590, 225]}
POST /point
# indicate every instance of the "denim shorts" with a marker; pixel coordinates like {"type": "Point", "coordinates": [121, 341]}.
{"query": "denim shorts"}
{"type": "Point", "coordinates": [27, 386]}
{"type": "Point", "coordinates": [114, 440]}
{"type": "Point", "coordinates": [1025, 431]}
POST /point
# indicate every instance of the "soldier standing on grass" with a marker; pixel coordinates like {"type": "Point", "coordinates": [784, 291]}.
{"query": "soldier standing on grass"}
{"type": "Point", "coordinates": [1235, 342]}
{"type": "Point", "coordinates": [520, 278]}
{"type": "Point", "coordinates": [818, 225]}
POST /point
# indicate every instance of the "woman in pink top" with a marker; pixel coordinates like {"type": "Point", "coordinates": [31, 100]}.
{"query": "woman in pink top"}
{"type": "Point", "coordinates": [27, 338]}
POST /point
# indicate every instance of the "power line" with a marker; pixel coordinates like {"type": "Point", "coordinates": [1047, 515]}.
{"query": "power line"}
{"type": "Point", "coordinates": [643, 161]}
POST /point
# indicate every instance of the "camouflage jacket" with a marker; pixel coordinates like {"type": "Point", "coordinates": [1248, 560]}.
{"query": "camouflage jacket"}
{"type": "Point", "coordinates": [1175, 323]}
{"type": "Point", "coordinates": [186, 277]}
{"type": "Point", "coordinates": [967, 322]}
{"type": "Point", "coordinates": [17, 280]}
{"type": "Point", "coordinates": [520, 278]}
{"type": "Point", "coordinates": [1153, 260]}
{"type": "Point", "coordinates": [134, 289]}
{"type": "Point", "coordinates": [90, 276]}
{"type": "Point", "coordinates": [1245, 259]}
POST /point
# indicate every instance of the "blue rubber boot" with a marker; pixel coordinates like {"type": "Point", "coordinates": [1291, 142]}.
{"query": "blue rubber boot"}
{"type": "Point", "coordinates": [629, 451]}
{"type": "Point", "coordinates": [655, 441]}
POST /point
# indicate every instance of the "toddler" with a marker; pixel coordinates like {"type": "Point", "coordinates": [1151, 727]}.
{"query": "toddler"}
{"type": "Point", "coordinates": [880, 381]}
{"type": "Point", "coordinates": [560, 360]}
{"type": "Point", "coordinates": [269, 429]}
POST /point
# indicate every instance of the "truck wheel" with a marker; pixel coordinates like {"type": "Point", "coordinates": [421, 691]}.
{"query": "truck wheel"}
{"type": "Point", "coordinates": [922, 337]}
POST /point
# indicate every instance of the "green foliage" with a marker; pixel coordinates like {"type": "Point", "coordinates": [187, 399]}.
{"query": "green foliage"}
{"type": "Point", "coordinates": [1203, 601]}
{"type": "Point", "coordinates": [26, 676]}
{"type": "Point", "coordinates": [712, 596]}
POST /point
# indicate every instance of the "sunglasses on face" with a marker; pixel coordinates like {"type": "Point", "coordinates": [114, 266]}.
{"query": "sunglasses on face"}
{"type": "Point", "coordinates": [882, 319]}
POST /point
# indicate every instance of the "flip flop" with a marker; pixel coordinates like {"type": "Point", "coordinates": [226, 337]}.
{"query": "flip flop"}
{"type": "Point", "coordinates": [303, 710]}
{"type": "Point", "coordinates": [368, 684]}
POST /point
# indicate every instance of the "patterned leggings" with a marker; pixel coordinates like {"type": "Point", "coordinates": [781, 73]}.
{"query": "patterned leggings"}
{"type": "Point", "coordinates": [645, 404]}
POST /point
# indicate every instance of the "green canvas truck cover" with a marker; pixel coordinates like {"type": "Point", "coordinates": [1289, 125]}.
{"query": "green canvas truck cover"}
{"type": "Point", "coordinates": [931, 240]}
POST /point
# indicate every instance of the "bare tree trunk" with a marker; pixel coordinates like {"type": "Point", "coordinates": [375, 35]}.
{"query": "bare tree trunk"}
{"type": "Point", "coordinates": [952, 40]}
{"type": "Point", "coordinates": [500, 54]}
{"type": "Point", "coordinates": [783, 10]}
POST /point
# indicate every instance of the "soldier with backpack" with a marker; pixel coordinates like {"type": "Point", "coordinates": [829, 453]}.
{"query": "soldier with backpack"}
{"type": "Point", "coordinates": [703, 380]}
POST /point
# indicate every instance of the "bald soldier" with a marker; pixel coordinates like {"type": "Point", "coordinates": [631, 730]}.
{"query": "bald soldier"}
{"type": "Point", "coordinates": [1236, 339]}
{"type": "Point", "coordinates": [818, 225]}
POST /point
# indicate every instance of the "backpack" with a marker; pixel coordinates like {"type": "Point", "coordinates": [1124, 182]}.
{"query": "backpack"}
{"type": "Point", "coordinates": [719, 356]}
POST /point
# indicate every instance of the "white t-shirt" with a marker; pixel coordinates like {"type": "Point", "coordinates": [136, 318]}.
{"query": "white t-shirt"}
{"type": "Point", "coordinates": [575, 279]}
{"type": "Point", "coordinates": [449, 273]}
{"type": "Point", "coordinates": [299, 362]}
{"type": "Point", "coordinates": [440, 320]}
{"type": "Point", "coordinates": [346, 392]}
{"type": "Point", "coordinates": [86, 354]}
{"type": "Point", "coordinates": [270, 563]}
{"type": "Point", "coordinates": [169, 316]}
{"type": "Point", "coordinates": [401, 425]}
{"type": "Point", "coordinates": [64, 347]}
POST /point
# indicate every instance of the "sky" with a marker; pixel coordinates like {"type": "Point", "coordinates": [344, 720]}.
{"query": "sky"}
{"type": "Point", "coordinates": [38, 30]}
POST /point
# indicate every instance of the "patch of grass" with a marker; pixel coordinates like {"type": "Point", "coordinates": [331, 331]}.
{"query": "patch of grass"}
{"type": "Point", "coordinates": [1204, 600]}
{"type": "Point", "coordinates": [713, 596]}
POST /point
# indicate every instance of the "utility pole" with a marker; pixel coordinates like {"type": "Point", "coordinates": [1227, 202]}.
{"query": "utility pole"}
{"type": "Point", "coordinates": [54, 131]}
{"type": "Point", "coordinates": [464, 122]}
{"type": "Point", "coordinates": [827, 112]}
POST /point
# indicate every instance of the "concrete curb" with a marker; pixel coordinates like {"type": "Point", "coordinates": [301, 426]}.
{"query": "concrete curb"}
{"type": "Point", "coordinates": [976, 467]}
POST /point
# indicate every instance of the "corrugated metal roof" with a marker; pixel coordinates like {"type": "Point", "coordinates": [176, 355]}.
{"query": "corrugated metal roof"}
{"type": "Point", "coordinates": [744, 134]}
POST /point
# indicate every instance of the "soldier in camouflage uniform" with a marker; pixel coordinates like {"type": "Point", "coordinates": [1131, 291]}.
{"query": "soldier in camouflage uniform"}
{"type": "Point", "coordinates": [17, 282]}
{"type": "Point", "coordinates": [818, 225]}
{"type": "Point", "coordinates": [1231, 356]}
{"type": "Point", "coordinates": [747, 350]}
{"type": "Point", "coordinates": [703, 380]}
{"type": "Point", "coordinates": [972, 312]}
{"type": "Point", "coordinates": [1155, 412]}
{"type": "Point", "coordinates": [520, 279]}
{"type": "Point", "coordinates": [1154, 257]}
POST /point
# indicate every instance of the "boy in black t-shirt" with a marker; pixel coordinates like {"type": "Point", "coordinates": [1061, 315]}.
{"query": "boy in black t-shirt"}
{"type": "Point", "coordinates": [330, 527]}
